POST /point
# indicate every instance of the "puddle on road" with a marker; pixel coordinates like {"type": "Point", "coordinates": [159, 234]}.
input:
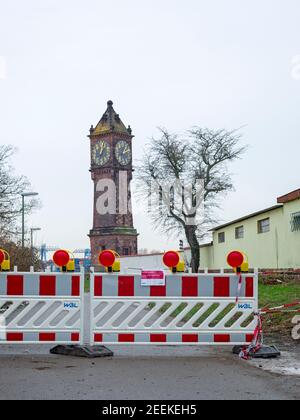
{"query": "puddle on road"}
{"type": "Point", "coordinates": [288, 363]}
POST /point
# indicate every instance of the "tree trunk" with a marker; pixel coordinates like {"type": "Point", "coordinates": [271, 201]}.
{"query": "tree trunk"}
{"type": "Point", "coordinates": [192, 239]}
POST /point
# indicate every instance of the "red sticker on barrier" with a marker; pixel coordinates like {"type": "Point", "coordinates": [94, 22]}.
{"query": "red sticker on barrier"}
{"type": "Point", "coordinates": [249, 287]}
{"type": "Point", "coordinates": [47, 285]}
{"type": "Point", "coordinates": [15, 285]}
{"type": "Point", "coordinates": [98, 286]}
{"type": "Point", "coordinates": [51, 337]}
{"type": "Point", "coordinates": [14, 337]}
{"type": "Point", "coordinates": [98, 338]}
{"type": "Point", "coordinates": [190, 338]}
{"type": "Point", "coordinates": [189, 286]}
{"type": "Point", "coordinates": [158, 338]}
{"type": "Point", "coordinates": [221, 287]}
{"type": "Point", "coordinates": [75, 286]}
{"type": "Point", "coordinates": [126, 338]}
{"type": "Point", "coordinates": [75, 337]}
{"type": "Point", "coordinates": [222, 338]}
{"type": "Point", "coordinates": [126, 286]}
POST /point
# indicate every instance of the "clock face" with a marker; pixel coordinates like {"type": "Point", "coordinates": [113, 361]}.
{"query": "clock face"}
{"type": "Point", "coordinates": [123, 152]}
{"type": "Point", "coordinates": [100, 153]}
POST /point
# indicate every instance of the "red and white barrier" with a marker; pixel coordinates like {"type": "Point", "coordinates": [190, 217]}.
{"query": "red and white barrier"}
{"type": "Point", "coordinates": [188, 309]}
{"type": "Point", "coordinates": [41, 308]}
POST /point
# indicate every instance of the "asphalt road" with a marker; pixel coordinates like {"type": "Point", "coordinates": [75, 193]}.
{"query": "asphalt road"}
{"type": "Point", "coordinates": [139, 373]}
{"type": "Point", "coordinates": [151, 373]}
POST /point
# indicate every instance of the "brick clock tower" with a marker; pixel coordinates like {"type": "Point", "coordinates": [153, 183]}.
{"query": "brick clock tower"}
{"type": "Point", "coordinates": [111, 169]}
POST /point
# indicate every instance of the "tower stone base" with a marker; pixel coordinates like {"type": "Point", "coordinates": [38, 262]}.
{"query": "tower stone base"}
{"type": "Point", "coordinates": [123, 241]}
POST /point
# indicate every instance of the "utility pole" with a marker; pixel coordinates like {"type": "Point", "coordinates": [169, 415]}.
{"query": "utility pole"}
{"type": "Point", "coordinates": [31, 194]}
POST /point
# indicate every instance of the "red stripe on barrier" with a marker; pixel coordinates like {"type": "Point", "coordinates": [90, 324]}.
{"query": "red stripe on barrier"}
{"type": "Point", "coordinates": [249, 338]}
{"type": "Point", "coordinates": [126, 338]}
{"type": "Point", "coordinates": [158, 338]}
{"type": "Point", "coordinates": [15, 286]}
{"type": "Point", "coordinates": [98, 286]}
{"type": "Point", "coordinates": [221, 287]}
{"type": "Point", "coordinates": [47, 285]}
{"type": "Point", "coordinates": [222, 338]}
{"type": "Point", "coordinates": [249, 287]}
{"type": "Point", "coordinates": [75, 286]}
{"type": "Point", "coordinates": [75, 337]}
{"type": "Point", "coordinates": [190, 338]}
{"type": "Point", "coordinates": [47, 337]}
{"type": "Point", "coordinates": [158, 291]}
{"type": "Point", "coordinates": [98, 338]}
{"type": "Point", "coordinates": [126, 286]}
{"type": "Point", "coordinates": [189, 286]}
{"type": "Point", "coordinates": [14, 337]}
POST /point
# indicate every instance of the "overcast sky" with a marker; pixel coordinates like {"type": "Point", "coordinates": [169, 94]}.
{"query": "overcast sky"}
{"type": "Point", "coordinates": [171, 63]}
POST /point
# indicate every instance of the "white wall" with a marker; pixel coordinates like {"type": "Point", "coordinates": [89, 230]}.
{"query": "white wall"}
{"type": "Point", "coordinates": [145, 262]}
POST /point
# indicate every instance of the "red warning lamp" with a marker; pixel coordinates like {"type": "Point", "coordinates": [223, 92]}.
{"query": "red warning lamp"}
{"type": "Point", "coordinates": [2, 256]}
{"type": "Point", "coordinates": [235, 259]}
{"type": "Point", "coordinates": [61, 258]}
{"type": "Point", "coordinates": [171, 259]}
{"type": "Point", "coordinates": [107, 259]}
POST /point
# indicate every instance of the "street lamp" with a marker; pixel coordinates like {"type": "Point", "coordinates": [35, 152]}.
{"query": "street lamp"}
{"type": "Point", "coordinates": [29, 194]}
{"type": "Point", "coordinates": [32, 230]}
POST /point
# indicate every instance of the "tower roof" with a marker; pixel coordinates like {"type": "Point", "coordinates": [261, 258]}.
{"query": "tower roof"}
{"type": "Point", "coordinates": [110, 123]}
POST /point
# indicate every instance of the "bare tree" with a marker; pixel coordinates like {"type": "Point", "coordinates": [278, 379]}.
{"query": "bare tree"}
{"type": "Point", "coordinates": [23, 258]}
{"type": "Point", "coordinates": [184, 178]}
{"type": "Point", "coordinates": [11, 187]}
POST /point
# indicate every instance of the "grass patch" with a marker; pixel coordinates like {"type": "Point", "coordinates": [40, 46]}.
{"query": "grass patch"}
{"type": "Point", "coordinates": [277, 295]}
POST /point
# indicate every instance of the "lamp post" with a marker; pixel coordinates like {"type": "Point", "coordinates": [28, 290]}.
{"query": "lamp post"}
{"type": "Point", "coordinates": [24, 195]}
{"type": "Point", "coordinates": [32, 230]}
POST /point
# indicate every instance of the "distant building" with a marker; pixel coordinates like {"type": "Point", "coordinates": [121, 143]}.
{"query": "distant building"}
{"type": "Point", "coordinates": [270, 237]}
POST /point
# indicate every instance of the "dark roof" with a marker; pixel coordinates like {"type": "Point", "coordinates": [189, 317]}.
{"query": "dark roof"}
{"type": "Point", "coordinates": [110, 123]}
{"type": "Point", "coordinates": [278, 206]}
{"type": "Point", "coordinates": [294, 195]}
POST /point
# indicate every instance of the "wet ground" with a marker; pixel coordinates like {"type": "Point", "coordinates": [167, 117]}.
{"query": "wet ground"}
{"type": "Point", "coordinates": [288, 363]}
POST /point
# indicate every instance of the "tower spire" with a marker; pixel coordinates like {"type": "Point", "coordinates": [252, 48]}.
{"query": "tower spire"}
{"type": "Point", "coordinates": [110, 122]}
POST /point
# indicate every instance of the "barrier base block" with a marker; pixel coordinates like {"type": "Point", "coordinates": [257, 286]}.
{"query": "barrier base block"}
{"type": "Point", "coordinates": [265, 352]}
{"type": "Point", "coordinates": [89, 352]}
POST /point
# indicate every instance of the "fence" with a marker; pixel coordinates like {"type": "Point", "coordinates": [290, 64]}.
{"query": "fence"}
{"type": "Point", "coordinates": [41, 308]}
{"type": "Point", "coordinates": [189, 309]}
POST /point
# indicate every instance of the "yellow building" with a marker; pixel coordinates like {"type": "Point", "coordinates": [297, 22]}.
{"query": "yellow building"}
{"type": "Point", "coordinates": [270, 237]}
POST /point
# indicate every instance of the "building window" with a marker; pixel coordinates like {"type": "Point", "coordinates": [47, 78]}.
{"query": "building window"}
{"type": "Point", "coordinates": [125, 251]}
{"type": "Point", "coordinates": [221, 237]}
{"type": "Point", "coordinates": [264, 225]}
{"type": "Point", "coordinates": [239, 232]}
{"type": "Point", "coordinates": [295, 222]}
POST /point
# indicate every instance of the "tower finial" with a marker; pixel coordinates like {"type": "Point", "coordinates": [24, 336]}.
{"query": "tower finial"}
{"type": "Point", "coordinates": [110, 103]}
